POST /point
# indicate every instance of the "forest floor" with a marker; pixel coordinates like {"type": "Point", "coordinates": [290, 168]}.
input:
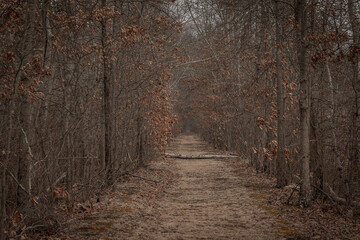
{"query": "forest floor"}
{"type": "Point", "coordinates": [205, 199]}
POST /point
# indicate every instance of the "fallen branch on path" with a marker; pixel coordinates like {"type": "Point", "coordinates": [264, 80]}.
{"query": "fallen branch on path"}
{"type": "Point", "coordinates": [173, 155]}
{"type": "Point", "coordinates": [146, 179]}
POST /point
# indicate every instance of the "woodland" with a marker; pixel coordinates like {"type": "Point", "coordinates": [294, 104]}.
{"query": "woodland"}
{"type": "Point", "coordinates": [92, 90]}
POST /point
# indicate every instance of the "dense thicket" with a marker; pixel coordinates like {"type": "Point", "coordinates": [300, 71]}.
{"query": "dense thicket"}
{"type": "Point", "coordinates": [84, 98]}
{"type": "Point", "coordinates": [279, 82]}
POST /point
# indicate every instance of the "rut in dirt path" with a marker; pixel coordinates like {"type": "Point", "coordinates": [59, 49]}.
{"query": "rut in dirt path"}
{"type": "Point", "coordinates": [207, 201]}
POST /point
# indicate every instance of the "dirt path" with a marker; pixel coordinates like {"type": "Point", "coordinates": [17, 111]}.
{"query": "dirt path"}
{"type": "Point", "coordinates": [206, 200]}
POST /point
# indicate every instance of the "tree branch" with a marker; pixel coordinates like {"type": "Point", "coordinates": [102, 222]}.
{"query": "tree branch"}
{"type": "Point", "coordinates": [13, 177]}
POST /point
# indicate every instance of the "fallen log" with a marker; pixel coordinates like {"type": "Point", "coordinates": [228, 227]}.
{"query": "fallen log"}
{"type": "Point", "coordinates": [146, 179]}
{"type": "Point", "coordinates": [341, 200]}
{"type": "Point", "coordinates": [173, 155]}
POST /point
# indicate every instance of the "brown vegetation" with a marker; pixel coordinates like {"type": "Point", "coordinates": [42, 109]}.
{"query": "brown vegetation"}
{"type": "Point", "coordinates": [92, 90]}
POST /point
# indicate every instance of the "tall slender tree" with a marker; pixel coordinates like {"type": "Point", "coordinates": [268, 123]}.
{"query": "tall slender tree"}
{"type": "Point", "coordinates": [108, 141]}
{"type": "Point", "coordinates": [280, 100]}
{"type": "Point", "coordinates": [355, 86]}
{"type": "Point", "coordinates": [301, 24]}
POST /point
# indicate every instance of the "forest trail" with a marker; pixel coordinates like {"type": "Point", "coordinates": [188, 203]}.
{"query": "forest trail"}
{"type": "Point", "coordinates": [206, 199]}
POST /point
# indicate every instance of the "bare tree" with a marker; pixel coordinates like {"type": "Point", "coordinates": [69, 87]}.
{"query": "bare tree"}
{"type": "Point", "coordinates": [280, 164]}
{"type": "Point", "coordinates": [300, 17]}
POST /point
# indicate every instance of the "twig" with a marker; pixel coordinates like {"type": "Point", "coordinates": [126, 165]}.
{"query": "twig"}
{"type": "Point", "coordinates": [292, 192]}
{"type": "Point", "coordinates": [26, 141]}
{"type": "Point", "coordinates": [57, 180]}
{"type": "Point", "coordinates": [66, 158]}
{"type": "Point", "coordinates": [328, 195]}
{"type": "Point", "coordinates": [195, 61]}
{"type": "Point", "coordinates": [13, 176]}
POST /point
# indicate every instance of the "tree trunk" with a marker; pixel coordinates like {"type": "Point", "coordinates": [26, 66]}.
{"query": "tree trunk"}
{"type": "Point", "coordinates": [4, 165]}
{"type": "Point", "coordinates": [23, 173]}
{"type": "Point", "coordinates": [107, 101]}
{"type": "Point", "coordinates": [300, 18]}
{"type": "Point", "coordinates": [280, 163]}
{"type": "Point", "coordinates": [2, 198]}
{"type": "Point", "coordinates": [333, 131]}
{"type": "Point", "coordinates": [355, 115]}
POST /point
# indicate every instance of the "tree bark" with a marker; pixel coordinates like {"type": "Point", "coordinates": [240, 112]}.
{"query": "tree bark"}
{"type": "Point", "coordinates": [355, 115]}
{"type": "Point", "coordinates": [107, 100]}
{"type": "Point", "coordinates": [3, 182]}
{"type": "Point", "coordinates": [24, 159]}
{"type": "Point", "coordinates": [280, 163]}
{"type": "Point", "coordinates": [300, 19]}
{"type": "Point", "coordinates": [332, 117]}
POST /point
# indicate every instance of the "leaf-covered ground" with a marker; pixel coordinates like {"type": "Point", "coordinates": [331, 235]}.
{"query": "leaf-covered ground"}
{"type": "Point", "coordinates": [323, 220]}
{"type": "Point", "coordinates": [205, 199]}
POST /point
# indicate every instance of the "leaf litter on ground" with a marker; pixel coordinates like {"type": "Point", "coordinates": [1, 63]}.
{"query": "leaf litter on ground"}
{"type": "Point", "coordinates": [323, 220]}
